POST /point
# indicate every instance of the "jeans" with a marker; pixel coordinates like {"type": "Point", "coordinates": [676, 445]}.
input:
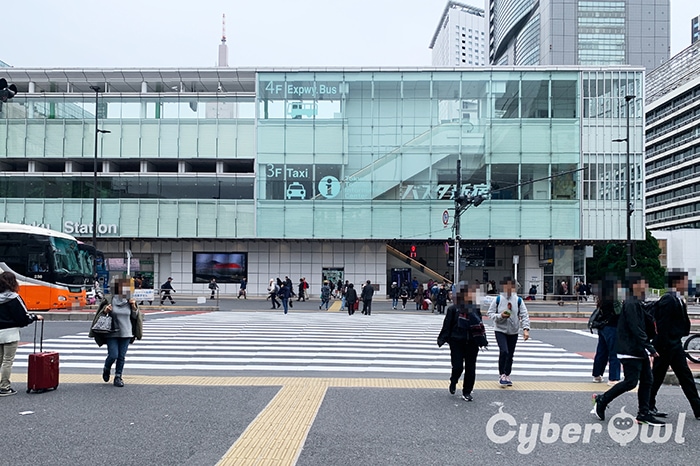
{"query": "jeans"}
{"type": "Point", "coordinates": [116, 351]}
{"type": "Point", "coordinates": [7, 356]}
{"type": "Point", "coordinates": [605, 352]}
{"type": "Point", "coordinates": [394, 302]}
{"type": "Point", "coordinates": [506, 346]}
{"type": "Point", "coordinates": [636, 371]}
{"type": "Point", "coordinates": [285, 304]}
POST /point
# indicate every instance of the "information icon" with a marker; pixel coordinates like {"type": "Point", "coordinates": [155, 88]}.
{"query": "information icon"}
{"type": "Point", "coordinates": [329, 187]}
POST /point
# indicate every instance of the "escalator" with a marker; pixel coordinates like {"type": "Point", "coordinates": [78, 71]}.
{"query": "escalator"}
{"type": "Point", "coordinates": [420, 272]}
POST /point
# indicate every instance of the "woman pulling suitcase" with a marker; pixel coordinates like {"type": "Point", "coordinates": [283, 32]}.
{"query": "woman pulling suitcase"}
{"type": "Point", "coordinates": [13, 315]}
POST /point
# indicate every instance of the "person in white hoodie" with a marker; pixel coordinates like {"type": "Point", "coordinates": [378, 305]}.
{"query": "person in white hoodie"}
{"type": "Point", "coordinates": [13, 316]}
{"type": "Point", "coordinates": [508, 313]}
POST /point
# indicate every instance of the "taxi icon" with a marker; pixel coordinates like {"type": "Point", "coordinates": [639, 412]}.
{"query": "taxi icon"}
{"type": "Point", "coordinates": [296, 190]}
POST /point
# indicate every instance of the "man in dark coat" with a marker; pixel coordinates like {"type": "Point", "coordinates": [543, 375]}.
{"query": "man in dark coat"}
{"type": "Point", "coordinates": [633, 348]}
{"type": "Point", "coordinates": [367, 293]}
{"type": "Point", "coordinates": [672, 323]}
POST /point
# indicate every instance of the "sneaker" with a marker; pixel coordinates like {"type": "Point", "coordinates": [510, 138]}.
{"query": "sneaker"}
{"type": "Point", "coordinates": [467, 397]}
{"type": "Point", "coordinates": [656, 413]}
{"type": "Point", "coordinates": [598, 379]}
{"type": "Point", "coordinates": [453, 388]}
{"type": "Point", "coordinates": [649, 419]}
{"type": "Point", "coordinates": [613, 382]}
{"type": "Point", "coordinates": [508, 381]}
{"type": "Point", "coordinates": [105, 374]}
{"type": "Point", "coordinates": [8, 392]}
{"type": "Point", "coordinates": [598, 408]}
{"type": "Point", "coordinates": [118, 382]}
{"type": "Point", "coordinates": [503, 381]}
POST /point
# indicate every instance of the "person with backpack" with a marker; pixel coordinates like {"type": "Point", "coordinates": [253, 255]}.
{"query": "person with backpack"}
{"type": "Point", "coordinates": [272, 289]}
{"type": "Point", "coordinates": [403, 295]}
{"type": "Point", "coordinates": [608, 312]}
{"type": "Point", "coordinates": [325, 294]}
{"type": "Point", "coordinates": [508, 313]}
{"type": "Point", "coordinates": [464, 332]}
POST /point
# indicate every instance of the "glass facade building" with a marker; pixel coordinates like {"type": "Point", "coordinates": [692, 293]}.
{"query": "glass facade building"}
{"type": "Point", "coordinates": [311, 170]}
{"type": "Point", "coordinates": [579, 32]}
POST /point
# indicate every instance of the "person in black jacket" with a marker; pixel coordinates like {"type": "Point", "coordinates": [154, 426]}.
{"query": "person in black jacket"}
{"type": "Point", "coordinates": [13, 315]}
{"type": "Point", "coordinates": [350, 298]}
{"type": "Point", "coordinates": [672, 323]}
{"type": "Point", "coordinates": [456, 332]}
{"type": "Point", "coordinates": [367, 293]}
{"type": "Point", "coordinates": [633, 349]}
{"type": "Point", "coordinates": [605, 351]}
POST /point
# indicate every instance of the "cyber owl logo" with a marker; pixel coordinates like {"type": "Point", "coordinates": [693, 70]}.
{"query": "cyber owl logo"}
{"type": "Point", "coordinates": [623, 429]}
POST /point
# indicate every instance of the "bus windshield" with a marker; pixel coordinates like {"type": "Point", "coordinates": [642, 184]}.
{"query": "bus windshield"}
{"type": "Point", "coordinates": [66, 260]}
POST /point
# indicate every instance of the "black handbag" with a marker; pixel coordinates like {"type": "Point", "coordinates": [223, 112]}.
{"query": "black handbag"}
{"type": "Point", "coordinates": [105, 324]}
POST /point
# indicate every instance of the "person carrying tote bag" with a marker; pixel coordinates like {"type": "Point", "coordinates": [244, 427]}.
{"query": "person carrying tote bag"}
{"type": "Point", "coordinates": [128, 327]}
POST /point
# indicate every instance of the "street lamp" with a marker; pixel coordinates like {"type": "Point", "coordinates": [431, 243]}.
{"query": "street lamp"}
{"type": "Point", "coordinates": [94, 170]}
{"type": "Point", "coordinates": [628, 195]}
{"type": "Point", "coordinates": [462, 203]}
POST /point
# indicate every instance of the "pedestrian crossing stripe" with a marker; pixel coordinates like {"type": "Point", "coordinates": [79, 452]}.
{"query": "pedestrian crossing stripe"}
{"type": "Point", "coordinates": [334, 343]}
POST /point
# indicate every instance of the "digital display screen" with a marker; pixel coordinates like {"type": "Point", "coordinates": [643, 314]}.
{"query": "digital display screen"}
{"type": "Point", "coordinates": [225, 267]}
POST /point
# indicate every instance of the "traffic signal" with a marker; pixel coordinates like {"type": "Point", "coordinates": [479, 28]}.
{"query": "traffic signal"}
{"type": "Point", "coordinates": [413, 253]}
{"type": "Point", "coordinates": [6, 91]}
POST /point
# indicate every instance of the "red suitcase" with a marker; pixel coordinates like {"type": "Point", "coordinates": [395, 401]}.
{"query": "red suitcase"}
{"type": "Point", "coordinates": [43, 367]}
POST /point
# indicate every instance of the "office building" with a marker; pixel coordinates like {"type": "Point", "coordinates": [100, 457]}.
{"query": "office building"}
{"type": "Point", "coordinates": [673, 143]}
{"type": "Point", "coordinates": [568, 32]}
{"type": "Point", "coordinates": [695, 29]}
{"type": "Point", "coordinates": [348, 173]}
{"type": "Point", "coordinates": [461, 37]}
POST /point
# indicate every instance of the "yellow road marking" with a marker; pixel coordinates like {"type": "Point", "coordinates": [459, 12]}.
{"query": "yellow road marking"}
{"type": "Point", "coordinates": [339, 382]}
{"type": "Point", "coordinates": [278, 434]}
{"type": "Point", "coordinates": [335, 307]}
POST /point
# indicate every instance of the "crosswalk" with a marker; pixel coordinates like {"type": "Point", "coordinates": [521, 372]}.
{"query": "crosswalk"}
{"type": "Point", "coordinates": [242, 343]}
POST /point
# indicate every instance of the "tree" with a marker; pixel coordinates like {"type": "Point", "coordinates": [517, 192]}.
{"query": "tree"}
{"type": "Point", "coordinates": [611, 258]}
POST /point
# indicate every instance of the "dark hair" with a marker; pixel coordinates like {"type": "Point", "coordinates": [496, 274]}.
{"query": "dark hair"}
{"type": "Point", "coordinates": [676, 276]}
{"type": "Point", "coordinates": [8, 282]}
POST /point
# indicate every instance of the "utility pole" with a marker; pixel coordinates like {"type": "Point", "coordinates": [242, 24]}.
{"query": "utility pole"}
{"type": "Point", "coordinates": [628, 187]}
{"type": "Point", "coordinates": [457, 196]}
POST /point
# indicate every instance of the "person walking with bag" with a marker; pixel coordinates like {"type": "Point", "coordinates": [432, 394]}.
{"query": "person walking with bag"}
{"type": "Point", "coordinates": [464, 332]}
{"type": "Point", "coordinates": [166, 288]}
{"type": "Point", "coordinates": [508, 313]}
{"type": "Point", "coordinates": [127, 327]}
{"type": "Point", "coordinates": [13, 316]}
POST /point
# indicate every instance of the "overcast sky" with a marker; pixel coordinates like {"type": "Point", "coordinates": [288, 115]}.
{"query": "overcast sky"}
{"type": "Point", "coordinates": [158, 33]}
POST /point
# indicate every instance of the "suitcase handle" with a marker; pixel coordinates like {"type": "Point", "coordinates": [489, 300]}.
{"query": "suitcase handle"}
{"type": "Point", "coordinates": [41, 338]}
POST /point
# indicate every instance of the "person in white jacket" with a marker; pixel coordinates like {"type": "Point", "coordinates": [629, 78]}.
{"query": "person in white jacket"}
{"type": "Point", "coordinates": [508, 313]}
